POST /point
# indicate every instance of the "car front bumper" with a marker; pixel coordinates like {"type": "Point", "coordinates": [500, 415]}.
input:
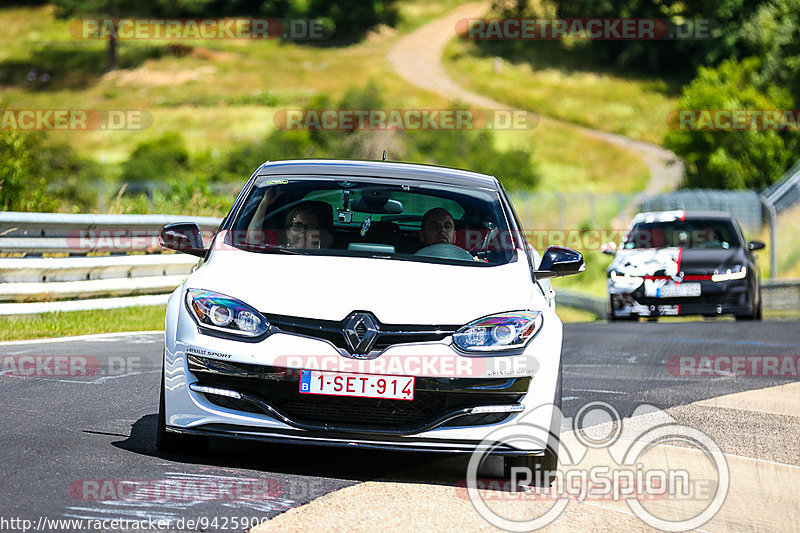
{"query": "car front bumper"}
{"type": "Point", "coordinates": [716, 298]}
{"type": "Point", "coordinates": [440, 418]}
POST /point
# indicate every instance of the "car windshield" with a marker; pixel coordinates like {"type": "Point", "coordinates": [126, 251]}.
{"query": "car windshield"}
{"type": "Point", "coordinates": [695, 233]}
{"type": "Point", "coordinates": [374, 217]}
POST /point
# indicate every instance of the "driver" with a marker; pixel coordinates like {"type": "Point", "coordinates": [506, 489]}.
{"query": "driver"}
{"type": "Point", "coordinates": [437, 227]}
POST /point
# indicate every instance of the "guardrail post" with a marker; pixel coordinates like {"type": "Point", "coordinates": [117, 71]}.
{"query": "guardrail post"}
{"type": "Point", "coordinates": [773, 238]}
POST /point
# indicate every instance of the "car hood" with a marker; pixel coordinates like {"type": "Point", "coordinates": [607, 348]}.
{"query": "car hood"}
{"type": "Point", "coordinates": [396, 291]}
{"type": "Point", "coordinates": [670, 261]}
{"type": "Point", "coordinates": [694, 261]}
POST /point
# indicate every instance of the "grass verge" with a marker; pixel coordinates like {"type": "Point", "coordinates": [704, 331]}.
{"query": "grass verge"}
{"type": "Point", "coordinates": [570, 314]}
{"type": "Point", "coordinates": [226, 92]}
{"type": "Point", "coordinates": [636, 107]}
{"type": "Point", "coordinates": [62, 324]}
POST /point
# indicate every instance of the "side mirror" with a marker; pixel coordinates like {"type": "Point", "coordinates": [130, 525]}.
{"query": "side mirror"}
{"type": "Point", "coordinates": [755, 245]}
{"type": "Point", "coordinates": [558, 261]}
{"type": "Point", "coordinates": [183, 237]}
{"type": "Point", "coordinates": [609, 248]}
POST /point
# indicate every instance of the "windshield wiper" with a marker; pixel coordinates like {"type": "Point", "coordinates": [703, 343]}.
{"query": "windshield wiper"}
{"type": "Point", "coordinates": [268, 248]}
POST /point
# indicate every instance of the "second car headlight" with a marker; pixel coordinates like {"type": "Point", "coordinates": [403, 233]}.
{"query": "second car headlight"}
{"type": "Point", "coordinates": [222, 313]}
{"type": "Point", "coordinates": [736, 272]}
{"type": "Point", "coordinates": [504, 331]}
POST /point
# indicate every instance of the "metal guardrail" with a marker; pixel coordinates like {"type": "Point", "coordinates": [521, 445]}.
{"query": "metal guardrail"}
{"type": "Point", "coordinates": [785, 192]}
{"type": "Point", "coordinates": [33, 283]}
{"type": "Point", "coordinates": [108, 281]}
{"type": "Point", "coordinates": [781, 294]}
{"type": "Point", "coordinates": [578, 300]}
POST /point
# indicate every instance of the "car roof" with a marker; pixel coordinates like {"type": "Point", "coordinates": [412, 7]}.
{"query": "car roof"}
{"type": "Point", "coordinates": [383, 169]}
{"type": "Point", "coordinates": [669, 216]}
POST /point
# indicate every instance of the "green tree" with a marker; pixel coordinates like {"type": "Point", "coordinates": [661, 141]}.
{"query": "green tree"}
{"type": "Point", "coordinates": [745, 159]}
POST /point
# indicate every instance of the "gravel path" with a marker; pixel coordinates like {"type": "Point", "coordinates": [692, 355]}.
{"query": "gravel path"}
{"type": "Point", "coordinates": [417, 57]}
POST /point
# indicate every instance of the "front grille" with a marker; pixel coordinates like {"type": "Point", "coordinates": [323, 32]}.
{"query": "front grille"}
{"type": "Point", "coordinates": [434, 398]}
{"type": "Point", "coordinates": [332, 331]}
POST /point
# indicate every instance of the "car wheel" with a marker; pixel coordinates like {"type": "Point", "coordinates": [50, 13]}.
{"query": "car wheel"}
{"type": "Point", "coordinates": [175, 442]}
{"type": "Point", "coordinates": [612, 317]}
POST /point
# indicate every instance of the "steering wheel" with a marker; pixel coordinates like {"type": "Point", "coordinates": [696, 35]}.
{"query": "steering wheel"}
{"type": "Point", "coordinates": [445, 251]}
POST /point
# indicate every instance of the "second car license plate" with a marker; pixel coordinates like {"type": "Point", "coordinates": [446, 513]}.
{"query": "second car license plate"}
{"type": "Point", "coordinates": [363, 385]}
{"type": "Point", "coordinates": [678, 290]}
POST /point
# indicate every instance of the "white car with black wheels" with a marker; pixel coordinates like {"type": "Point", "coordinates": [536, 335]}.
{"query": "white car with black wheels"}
{"type": "Point", "coordinates": [365, 304]}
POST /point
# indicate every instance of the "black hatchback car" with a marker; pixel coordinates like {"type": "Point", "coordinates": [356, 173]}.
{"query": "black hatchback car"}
{"type": "Point", "coordinates": [677, 263]}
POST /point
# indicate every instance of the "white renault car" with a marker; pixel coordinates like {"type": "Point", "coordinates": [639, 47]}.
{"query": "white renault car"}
{"type": "Point", "coordinates": [365, 304]}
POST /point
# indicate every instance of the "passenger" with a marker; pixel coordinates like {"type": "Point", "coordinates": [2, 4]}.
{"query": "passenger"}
{"type": "Point", "coordinates": [438, 227]}
{"type": "Point", "coordinates": [708, 238]}
{"type": "Point", "coordinates": [306, 227]}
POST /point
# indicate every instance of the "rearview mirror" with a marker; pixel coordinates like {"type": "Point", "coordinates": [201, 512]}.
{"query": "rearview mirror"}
{"type": "Point", "coordinates": [183, 237]}
{"type": "Point", "coordinates": [755, 245]}
{"type": "Point", "coordinates": [558, 261]}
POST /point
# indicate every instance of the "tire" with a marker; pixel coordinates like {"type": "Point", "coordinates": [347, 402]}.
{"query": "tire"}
{"type": "Point", "coordinates": [616, 318]}
{"type": "Point", "coordinates": [758, 312]}
{"type": "Point", "coordinates": [174, 442]}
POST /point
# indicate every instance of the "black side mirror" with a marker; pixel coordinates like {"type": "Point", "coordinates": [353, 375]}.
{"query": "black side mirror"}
{"type": "Point", "coordinates": [183, 237]}
{"type": "Point", "coordinates": [755, 245]}
{"type": "Point", "coordinates": [558, 261]}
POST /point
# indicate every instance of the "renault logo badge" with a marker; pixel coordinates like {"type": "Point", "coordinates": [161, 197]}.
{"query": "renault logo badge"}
{"type": "Point", "coordinates": [360, 331]}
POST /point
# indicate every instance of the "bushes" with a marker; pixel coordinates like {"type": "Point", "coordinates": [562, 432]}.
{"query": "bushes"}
{"type": "Point", "coordinates": [157, 160]}
{"type": "Point", "coordinates": [38, 176]}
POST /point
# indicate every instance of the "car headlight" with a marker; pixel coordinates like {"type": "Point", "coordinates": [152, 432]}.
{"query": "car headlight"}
{"type": "Point", "coordinates": [505, 331]}
{"type": "Point", "coordinates": [219, 312]}
{"type": "Point", "coordinates": [735, 272]}
{"type": "Point", "coordinates": [624, 281]}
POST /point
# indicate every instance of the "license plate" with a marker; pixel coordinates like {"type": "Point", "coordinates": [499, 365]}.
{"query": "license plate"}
{"type": "Point", "coordinates": [360, 385]}
{"type": "Point", "coordinates": [678, 290]}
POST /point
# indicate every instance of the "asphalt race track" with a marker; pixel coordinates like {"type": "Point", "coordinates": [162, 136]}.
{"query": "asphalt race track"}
{"type": "Point", "coordinates": [72, 446]}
